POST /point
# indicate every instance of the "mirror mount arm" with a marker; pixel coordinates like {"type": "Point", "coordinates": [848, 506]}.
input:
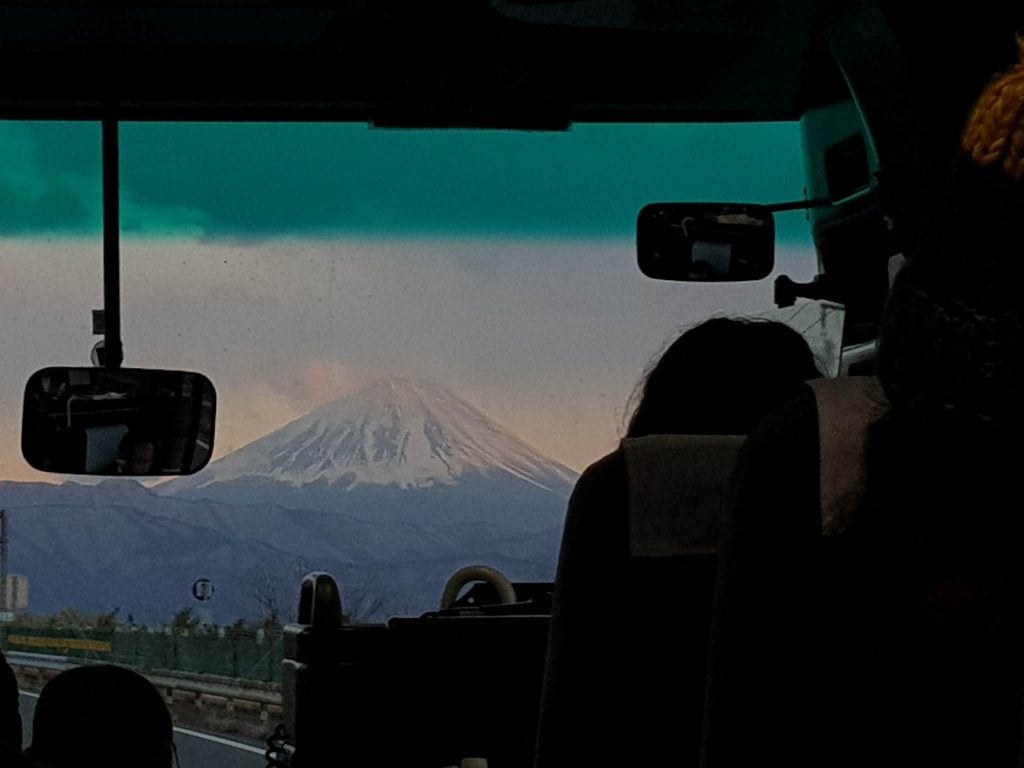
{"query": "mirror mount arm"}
{"type": "Point", "coordinates": [787, 291]}
{"type": "Point", "coordinates": [113, 351]}
{"type": "Point", "coordinates": [798, 205]}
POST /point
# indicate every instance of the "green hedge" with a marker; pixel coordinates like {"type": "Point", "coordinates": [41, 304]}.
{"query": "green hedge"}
{"type": "Point", "coordinates": [242, 655]}
{"type": "Point", "coordinates": [236, 655]}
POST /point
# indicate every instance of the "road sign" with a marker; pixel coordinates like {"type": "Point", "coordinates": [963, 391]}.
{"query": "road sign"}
{"type": "Point", "coordinates": [202, 589]}
{"type": "Point", "coordinates": [16, 593]}
{"type": "Point", "coordinates": [6, 617]}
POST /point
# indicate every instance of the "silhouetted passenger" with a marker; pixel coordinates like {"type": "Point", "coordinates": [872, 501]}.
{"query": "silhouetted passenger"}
{"type": "Point", "coordinates": [136, 452]}
{"type": "Point", "coordinates": [895, 638]}
{"type": "Point", "coordinates": [138, 458]}
{"type": "Point", "coordinates": [10, 716]}
{"type": "Point", "coordinates": [101, 715]}
{"type": "Point", "coordinates": [721, 377]}
{"type": "Point", "coordinates": [632, 604]}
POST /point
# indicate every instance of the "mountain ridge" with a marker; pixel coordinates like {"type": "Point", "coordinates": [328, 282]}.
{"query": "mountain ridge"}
{"type": "Point", "coordinates": [394, 431]}
{"type": "Point", "coordinates": [395, 450]}
{"type": "Point", "coordinates": [82, 549]}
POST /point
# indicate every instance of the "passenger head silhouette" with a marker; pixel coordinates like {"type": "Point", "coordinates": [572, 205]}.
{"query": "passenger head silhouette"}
{"type": "Point", "coordinates": [721, 377]}
{"type": "Point", "coordinates": [101, 715]}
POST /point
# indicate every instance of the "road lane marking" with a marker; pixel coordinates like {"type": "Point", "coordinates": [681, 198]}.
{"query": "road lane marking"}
{"type": "Point", "coordinates": [223, 742]}
{"type": "Point", "coordinates": [196, 734]}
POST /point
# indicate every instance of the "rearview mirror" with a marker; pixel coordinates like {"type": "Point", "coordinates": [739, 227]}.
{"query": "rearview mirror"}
{"type": "Point", "coordinates": [118, 421]}
{"type": "Point", "coordinates": [705, 242]}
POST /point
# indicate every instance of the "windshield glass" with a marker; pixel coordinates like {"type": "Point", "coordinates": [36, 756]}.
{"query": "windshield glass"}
{"type": "Point", "coordinates": [418, 340]}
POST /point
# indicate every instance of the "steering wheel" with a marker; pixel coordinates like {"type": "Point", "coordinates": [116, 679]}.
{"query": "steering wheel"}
{"type": "Point", "coordinates": [471, 573]}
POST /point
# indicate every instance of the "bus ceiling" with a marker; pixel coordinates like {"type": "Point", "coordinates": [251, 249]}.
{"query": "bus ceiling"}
{"type": "Point", "coordinates": [480, 63]}
{"type": "Point", "coordinates": [520, 64]}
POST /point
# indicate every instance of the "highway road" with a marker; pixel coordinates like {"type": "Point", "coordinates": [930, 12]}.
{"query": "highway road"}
{"type": "Point", "coordinates": [195, 750]}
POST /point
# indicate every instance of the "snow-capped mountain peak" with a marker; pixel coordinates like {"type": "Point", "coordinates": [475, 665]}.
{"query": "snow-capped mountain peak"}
{"type": "Point", "coordinates": [409, 433]}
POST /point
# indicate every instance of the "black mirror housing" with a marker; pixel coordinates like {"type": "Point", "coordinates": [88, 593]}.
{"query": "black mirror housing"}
{"type": "Point", "coordinates": [118, 421]}
{"type": "Point", "coordinates": [706, 242]}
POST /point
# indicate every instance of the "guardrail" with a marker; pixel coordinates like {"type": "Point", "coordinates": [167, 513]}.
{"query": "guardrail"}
{"type": "Point", "coordinates": [249, 655]}
{"type": "Point", "coordinates": [223, 705]}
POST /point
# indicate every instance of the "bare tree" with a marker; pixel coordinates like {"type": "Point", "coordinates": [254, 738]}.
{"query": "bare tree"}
{"type": "Point", "coordinates": [274, 587]}
{"type": "Point", "coordinates": [360, 605]}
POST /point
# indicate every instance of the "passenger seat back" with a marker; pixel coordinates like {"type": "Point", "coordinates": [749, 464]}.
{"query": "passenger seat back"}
{"type": "Point", "coordinates": [627, 650]}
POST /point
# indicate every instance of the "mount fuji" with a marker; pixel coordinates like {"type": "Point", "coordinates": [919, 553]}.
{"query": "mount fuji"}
{"type": "Point", "coordinates": [404, 450]}
{"type": "Point", "coordinates": [391, 489]}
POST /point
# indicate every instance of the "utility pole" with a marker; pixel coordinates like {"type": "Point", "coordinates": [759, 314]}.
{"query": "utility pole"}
{"type": "Point", "coordinates": [3, 559]}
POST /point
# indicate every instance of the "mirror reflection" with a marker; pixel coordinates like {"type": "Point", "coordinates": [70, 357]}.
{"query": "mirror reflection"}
{"type": "Point", "coordinates": [706, 242]}
{"type": "Point", "coordinates": [126, 421]}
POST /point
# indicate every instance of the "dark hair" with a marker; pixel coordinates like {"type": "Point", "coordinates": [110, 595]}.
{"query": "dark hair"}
{"type": "Point", "coordinates": [934, 548]}
{"type": "Point", "coordinates": [950, 339]}
{"type": "Point", "coordinates": [721, 378]}
{"type": "Point", "coordinates": [949, 352]}
{"type": "Point", "coordinates": [102, 715]}
{"type": "Point", "coordinates": [137, 433]}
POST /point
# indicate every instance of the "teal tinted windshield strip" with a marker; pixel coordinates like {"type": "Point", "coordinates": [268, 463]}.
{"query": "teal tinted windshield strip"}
{"type": "Point", "coordinates": [241, 180]}
{"type": "Point", "coordinates": [50, 178]}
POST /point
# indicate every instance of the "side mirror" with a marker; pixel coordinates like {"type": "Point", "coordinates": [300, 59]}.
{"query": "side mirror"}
{"type": "Point", "coordinates": [705, 242]}
{"type": "Point", "coordinates": [118, 421]}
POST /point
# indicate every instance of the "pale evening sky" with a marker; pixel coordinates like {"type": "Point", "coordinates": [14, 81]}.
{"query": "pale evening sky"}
{"type": "Point", "coordinates": [293, 263]}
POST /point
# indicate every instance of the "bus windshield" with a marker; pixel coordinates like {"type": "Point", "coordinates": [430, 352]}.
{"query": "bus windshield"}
{"type": "Point", "coordinates": [418, 338]}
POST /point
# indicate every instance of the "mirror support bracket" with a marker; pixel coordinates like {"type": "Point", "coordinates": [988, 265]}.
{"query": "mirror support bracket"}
{"type": "Point", "coordinates": [113, 351]}
{"type": "Point", "coordinates": [798, 205]}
